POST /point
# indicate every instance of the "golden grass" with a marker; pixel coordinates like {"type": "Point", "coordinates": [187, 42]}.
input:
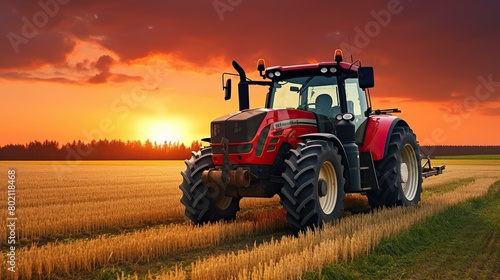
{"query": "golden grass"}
{"type": "Point", "coordinates": [85, 198]}
{"type": "Point", "coordinates": [355, 235]}
{"type": "Point", "coordinates": [95, 197]}
{"type": "Point", "coordinates": [143, 245]}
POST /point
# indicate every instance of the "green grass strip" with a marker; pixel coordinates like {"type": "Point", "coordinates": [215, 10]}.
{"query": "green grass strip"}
{"type": "Point", "coordinates": [461, 243]}
{"type": "Point", "coordinates": [448, 187]}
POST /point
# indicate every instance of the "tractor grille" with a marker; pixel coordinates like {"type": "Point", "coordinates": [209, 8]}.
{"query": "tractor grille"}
{"type": "Point", "coordinates": [238, 128]}
{"type": "Point", "coordinates": [234, 149]}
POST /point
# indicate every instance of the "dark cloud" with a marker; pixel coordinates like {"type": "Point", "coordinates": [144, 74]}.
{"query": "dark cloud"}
{"type": "Point", "coordinates": [30, 37]}
{"type": "Point", "coordinates": [103, 65]}
{"type": "Point", "coordinates": [121, 78]}
{"type": "Point", "coordinates": [29, 76]}
{"type": "Point", "coordinates": [100, 78]}
{"type": "Point", "coordinates": [421, 50]}
{"type": "Point", "coordinates": [82, 66]}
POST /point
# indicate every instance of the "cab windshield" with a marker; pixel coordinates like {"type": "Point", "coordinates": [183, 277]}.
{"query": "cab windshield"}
{"type": "Point", "coordinates": [319, 94]}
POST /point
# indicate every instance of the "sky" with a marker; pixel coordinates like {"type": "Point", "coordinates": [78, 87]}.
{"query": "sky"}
{"type": "Point", "coordinates": [137, 70]}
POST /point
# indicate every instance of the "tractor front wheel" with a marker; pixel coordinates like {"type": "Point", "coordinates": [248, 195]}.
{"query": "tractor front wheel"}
{"type": "Point", "coordinates": [399, 172]}
{"type": "Point", "coordinates": [205, 204]}
{"type": "Point", "coordinates": [314, 184]}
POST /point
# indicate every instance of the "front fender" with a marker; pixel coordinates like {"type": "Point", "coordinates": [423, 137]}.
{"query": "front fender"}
{"type": "Point", "coordinates": [377, 134]}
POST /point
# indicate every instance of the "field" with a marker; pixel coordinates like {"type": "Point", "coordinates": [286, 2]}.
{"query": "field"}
{"type": "Point", "coordinates": [123, 219]}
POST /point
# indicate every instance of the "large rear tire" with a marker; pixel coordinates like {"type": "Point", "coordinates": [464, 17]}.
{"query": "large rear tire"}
{"type": "Point", "coordinates": [399, 173]}
{"type": "Point", "coordinates": [314, 184]}
{"type": "Point", "coordinates": [204, 204]}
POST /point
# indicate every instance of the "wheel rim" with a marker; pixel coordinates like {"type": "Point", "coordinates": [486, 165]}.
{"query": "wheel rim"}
{"type": "Point", "coordinates": [329, 200]}
{"type": "Point", "coordinates": [221, 200]}
{"type": "Point", "coordinates": [409, 172]}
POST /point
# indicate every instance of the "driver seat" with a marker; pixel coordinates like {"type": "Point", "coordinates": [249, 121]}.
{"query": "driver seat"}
{"type": "Point", "coordinates": [324, 105]}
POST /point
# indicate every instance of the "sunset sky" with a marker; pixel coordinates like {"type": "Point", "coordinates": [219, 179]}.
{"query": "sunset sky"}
{"type": "Point", "coordinates": [137, 70]}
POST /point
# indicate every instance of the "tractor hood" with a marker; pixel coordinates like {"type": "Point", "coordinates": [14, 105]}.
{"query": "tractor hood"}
{"type": "Point", "coordinates": [255, 135]}
{"type": "Point", "coordinates": [244, 125]}
{"type": "Point", "coordinates": [238, 127]}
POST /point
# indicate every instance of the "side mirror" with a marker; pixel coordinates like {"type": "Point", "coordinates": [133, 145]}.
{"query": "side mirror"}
{"type": "Point", "coordinates": [227, 90]}
{"type": "Point", "coordinates": [365, 77]}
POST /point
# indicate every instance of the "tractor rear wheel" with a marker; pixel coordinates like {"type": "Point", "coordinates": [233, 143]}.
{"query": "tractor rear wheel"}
{"type": "Point", "coordinates": [314, 184]}
{"type": "Point", "coordinates": [204, 204]}
{"type": "Point", "coordinates": [399, 173]}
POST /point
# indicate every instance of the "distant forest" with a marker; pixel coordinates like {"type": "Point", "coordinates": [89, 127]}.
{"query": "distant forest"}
{"type": "Point", "coordinates": [137, 150]}
{"type": "Point", "coordinates": [98, 150]}
{"type": "Point", "coordinates": [434, 151]}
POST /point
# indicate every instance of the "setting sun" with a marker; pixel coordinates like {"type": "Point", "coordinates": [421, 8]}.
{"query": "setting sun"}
{"type": "Point", "coordinates": [161, 131]}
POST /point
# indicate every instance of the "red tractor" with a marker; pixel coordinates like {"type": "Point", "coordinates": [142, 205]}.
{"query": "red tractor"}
{"type": "Point", "coordinates": [316, 139]}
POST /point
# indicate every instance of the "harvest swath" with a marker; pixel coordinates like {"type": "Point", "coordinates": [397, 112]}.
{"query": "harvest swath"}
{"type": "Point", "coordinates": [93, 197]}
{"type": "Point", "coordinates": [83, 219]}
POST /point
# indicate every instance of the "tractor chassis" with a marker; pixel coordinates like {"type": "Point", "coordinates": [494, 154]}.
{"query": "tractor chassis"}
{"type": "Point", "coordinates": [240, 181]}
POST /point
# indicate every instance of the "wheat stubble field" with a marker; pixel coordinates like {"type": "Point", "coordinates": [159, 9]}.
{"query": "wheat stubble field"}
{"type": "Point", "coordinates": [123, 219]}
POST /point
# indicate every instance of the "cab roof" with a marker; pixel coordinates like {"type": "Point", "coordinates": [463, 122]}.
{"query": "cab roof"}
{"type": "Point", "coordinates": [321, 67]}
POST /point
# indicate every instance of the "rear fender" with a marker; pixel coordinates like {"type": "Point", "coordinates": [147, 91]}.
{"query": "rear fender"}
{"type": "Point", "coordinates": [336, 142]}
{"type": "Point", "coordinates": [378, 133]}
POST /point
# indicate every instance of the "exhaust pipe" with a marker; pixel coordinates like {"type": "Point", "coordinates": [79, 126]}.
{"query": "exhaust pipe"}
{"type": "Point", "coordinates": [242, 87]}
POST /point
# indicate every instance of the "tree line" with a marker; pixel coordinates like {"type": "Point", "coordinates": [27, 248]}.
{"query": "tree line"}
{"type": "Point", "coordinates": [451, 150]}
{"type": "Point", "coordinates": [137, 150]}
{"type": "Point", "coordinates": [98, 150]}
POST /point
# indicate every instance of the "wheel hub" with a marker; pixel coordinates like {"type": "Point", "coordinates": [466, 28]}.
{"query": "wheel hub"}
{"type": "Point", "coordinates": [409, 172]}
{"type": "Point", "coordinates": [221, 200]}
{"type": "Point", "coordinates": [327, 188]}
{"type": "Point", "coordinates": [322, 187]}
{"type": "Point", "coordinates": [404, 172]}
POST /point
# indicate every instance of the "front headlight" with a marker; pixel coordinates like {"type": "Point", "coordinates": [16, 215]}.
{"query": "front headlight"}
{"type": "Point", "coordinates": [345, 117]}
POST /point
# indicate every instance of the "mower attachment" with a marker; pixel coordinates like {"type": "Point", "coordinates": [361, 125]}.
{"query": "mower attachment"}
{"type": "Point", "coordinates": [428, 170]}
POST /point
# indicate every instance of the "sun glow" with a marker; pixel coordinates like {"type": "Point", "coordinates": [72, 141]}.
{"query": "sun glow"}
{"type": "Point", "coordinates": [163, 131]}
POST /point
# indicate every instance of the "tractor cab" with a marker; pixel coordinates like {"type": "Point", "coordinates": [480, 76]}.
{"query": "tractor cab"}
{"type": "Point", "coordinates": [320, 95]}
{"type": "Point", "coordinates": [328, 89]}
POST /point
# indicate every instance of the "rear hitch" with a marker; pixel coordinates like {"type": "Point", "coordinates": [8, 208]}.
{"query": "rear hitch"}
{"type": "Point", "coordinates": [227, 177]}
{"type": "Point", "coordinates": [428, 170]}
